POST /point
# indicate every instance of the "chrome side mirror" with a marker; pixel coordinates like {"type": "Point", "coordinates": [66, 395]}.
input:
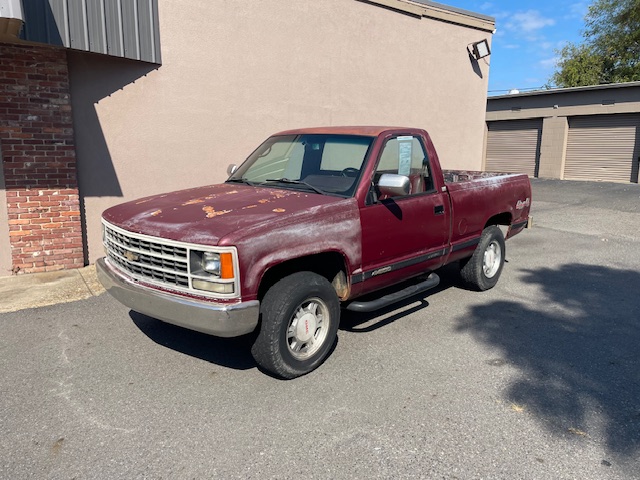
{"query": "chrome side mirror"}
{"type": "Point", "coordinates": [231, 169]}
{"type": "Point", "coordinates": [392, 185]}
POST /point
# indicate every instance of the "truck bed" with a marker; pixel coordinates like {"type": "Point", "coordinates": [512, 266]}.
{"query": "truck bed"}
{"type": "Point", "coordinates": [455, 176]}
{"type": "Point", "coordinates": [474, 194]}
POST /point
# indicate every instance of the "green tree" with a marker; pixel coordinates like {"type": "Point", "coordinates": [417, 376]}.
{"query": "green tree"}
{"type": "Point", "coordinates": [610, 52]}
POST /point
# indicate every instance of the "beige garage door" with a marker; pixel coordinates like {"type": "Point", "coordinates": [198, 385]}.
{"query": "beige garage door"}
{"type": "Point", "coordinates": [603, 147]}
{"type": "Point", "coordinates": [514, 146]}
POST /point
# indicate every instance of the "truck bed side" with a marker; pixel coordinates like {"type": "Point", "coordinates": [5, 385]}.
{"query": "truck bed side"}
{"type": "Point", "coordinates": [482, 198]}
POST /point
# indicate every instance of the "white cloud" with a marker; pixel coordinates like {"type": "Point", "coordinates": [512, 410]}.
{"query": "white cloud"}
{"type": "Point", "coordinates": [548, 62]}
{"type": "Point", "coordinates": [486, 6]}
{"type": "Point", "coordinates": [528, 22]}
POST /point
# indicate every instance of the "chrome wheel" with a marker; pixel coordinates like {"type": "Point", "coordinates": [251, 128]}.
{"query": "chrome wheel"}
{"type": "Point", "coordinates": [492, 259]}
{"type": "Point", "coordinates": [308, 328]}
{"type": "Point", "coordinates": [300, 317]}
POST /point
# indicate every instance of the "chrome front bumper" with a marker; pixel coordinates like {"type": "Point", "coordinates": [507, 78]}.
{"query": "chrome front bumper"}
{"type": "Point", "coordinates": [213, 318]}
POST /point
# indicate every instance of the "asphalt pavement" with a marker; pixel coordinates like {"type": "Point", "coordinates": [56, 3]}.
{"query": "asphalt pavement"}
{"type": "Point", "coordinates": [538, 378]}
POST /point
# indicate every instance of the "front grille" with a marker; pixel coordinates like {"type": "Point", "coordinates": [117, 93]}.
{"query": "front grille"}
{"type": "Point", "coordinates": [172, 265]}
{"type": "Point", "coordinates": [149, 260]}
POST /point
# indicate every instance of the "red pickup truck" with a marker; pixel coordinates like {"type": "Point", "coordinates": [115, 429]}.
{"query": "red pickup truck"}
{"type": "Point", "coordinates": [314, 220]}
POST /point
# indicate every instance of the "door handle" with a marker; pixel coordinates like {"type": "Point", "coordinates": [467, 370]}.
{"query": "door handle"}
{"type": "Point", "coordinates": [438, 209]}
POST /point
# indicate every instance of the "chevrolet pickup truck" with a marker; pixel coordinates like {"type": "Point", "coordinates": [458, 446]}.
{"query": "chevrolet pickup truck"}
{"type": "Point", "coordinates": [313, 221]}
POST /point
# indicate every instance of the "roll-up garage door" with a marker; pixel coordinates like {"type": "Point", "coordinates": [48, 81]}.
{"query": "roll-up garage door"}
{"type": "Point", "coordinates": [514, 146]}
{"type": "Point", "coordinates": [603, 147]}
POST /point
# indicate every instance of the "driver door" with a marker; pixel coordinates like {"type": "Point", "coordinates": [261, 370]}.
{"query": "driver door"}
{"type": "Point", "coordinates": [403, 236]}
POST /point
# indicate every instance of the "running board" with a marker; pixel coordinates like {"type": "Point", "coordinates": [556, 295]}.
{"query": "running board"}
{"type": "Point", "coordinates": [432, 281]}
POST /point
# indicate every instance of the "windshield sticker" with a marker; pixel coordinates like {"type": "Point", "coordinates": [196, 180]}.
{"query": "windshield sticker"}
{"type": "Point", "coordinates": [405, 145]}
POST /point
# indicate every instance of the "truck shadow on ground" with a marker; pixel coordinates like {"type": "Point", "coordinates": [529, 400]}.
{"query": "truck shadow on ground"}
{"type": "Point", "coordinates": [236, 352]}
{"type": "Point", "coordinates": [227, 352]}
{"type": "Point", "coordinates": [576, 351]}
{"type": "Point", "coordinates": [368, 322]}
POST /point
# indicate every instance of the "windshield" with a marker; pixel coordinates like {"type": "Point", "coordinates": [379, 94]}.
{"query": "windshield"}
{"type": "Point", "coordinates": [328, 164]}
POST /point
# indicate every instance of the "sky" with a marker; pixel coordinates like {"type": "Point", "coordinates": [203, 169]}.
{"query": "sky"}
{"type": "Point", "coordinates": [528, 33]}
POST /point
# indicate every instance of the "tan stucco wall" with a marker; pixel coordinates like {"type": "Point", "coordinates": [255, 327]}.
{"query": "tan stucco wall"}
{"type": "Point", "coordinates": [566, 103]}
{"type": "Point", "coordinates": [235, 72]}
{"type": "Point", "coordinates": [553, 147]}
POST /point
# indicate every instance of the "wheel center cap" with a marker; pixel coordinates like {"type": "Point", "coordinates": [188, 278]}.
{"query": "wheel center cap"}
{"type": "Point", "coordinates": [306, 327]}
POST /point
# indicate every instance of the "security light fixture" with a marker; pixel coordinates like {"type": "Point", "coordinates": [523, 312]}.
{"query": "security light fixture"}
{"type": "Point", "coordinates": [481, 49]}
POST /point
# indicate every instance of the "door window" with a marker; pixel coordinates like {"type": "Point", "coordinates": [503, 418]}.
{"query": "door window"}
{"type": "Point", "coordinates": [406, 156]}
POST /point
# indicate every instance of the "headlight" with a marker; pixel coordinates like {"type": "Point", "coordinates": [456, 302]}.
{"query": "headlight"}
{"type": "Point", "coordinates": [213, 271]}
{"type": "Point", "coordinates": [211, 263]}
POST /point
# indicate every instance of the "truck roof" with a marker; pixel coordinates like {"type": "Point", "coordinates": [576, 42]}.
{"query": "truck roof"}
{"type": "Point", "coordinates": [368, 131]}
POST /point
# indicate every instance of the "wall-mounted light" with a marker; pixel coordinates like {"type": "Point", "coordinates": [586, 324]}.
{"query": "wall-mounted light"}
{"type": "Point", "coordinates": [480, 49]}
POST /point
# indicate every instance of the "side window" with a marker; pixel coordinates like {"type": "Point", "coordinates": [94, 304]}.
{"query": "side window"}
{"type": "Point", "coordinates": [406, 156]}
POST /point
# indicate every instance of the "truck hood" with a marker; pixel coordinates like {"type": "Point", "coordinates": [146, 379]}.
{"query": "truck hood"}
{"type": "Point", "coordinates": [205, 215]}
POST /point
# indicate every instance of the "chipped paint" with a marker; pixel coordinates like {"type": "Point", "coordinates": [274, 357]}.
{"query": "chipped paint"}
{"type": "Point", "coordinates": [211, 212]}
{"type": "Point", "coordinates": [194, 201]}
{"type": "Point", "coordinates": [156, 213]}
{"type": "Point", "coordinates": [264, 200]}
{"type": "Point", "coordinates": [249, 206]}
{"type": "Point", "coordinates": [278, 210]}
{"type": "Point", "coordinates": [327, 227]}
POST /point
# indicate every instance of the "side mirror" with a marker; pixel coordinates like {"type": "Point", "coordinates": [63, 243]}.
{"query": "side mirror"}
{"type": "Point", "coordinates": [392, 185]}
{"type": "Point", "coordinates": [231, 169]}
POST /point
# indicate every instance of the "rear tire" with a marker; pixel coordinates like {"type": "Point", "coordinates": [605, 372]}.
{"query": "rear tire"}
{"type": "Point", "coordinates": [300, 319]}
{"type": "Point", "coordinates": [482, 270]}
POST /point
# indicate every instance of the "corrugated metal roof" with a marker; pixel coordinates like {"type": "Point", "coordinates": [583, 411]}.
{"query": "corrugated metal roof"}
{"type": "Point", "coordinates": [122, 28]}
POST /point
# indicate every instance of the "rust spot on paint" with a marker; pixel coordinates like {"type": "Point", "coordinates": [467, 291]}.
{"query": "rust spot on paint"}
{"type": "Point", "coordinates": [278, 210]}
{"type": "Point", "coordinates": [156, 213]}
{"type": "Point", "coordinates": [193, 201]}
{"type": "Point", "coordinates": [211, 212]}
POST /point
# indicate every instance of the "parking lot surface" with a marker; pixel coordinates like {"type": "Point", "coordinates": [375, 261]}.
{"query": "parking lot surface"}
{"type": "Point", "coordinates": [538, 378]}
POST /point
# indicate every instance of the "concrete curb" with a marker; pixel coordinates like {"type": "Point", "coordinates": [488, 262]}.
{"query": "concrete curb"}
{"type": "Point", "coordinates": [34, 290]}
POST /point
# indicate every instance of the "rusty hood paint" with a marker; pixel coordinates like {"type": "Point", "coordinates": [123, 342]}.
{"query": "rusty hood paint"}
{"type": "Point", "coordinates": [204, 215]}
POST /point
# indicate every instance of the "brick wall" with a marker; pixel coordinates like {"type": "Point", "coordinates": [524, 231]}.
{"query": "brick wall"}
{"type": "Point", "coordinates": [38, 159]}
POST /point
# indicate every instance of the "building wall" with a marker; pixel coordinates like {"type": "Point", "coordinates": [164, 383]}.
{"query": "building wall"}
{"type": "Point", "coordinates": [38, 161]}
{"type": "Point", "coordinates": [235, 72]}
{"type": "Point", "coordinates": [556, 108]}
{"type": "Point", "coordinates": [553, 147]}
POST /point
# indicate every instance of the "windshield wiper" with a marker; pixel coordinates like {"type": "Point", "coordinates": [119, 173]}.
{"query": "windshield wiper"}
{"type": "Point", "coordinates": [297, 182]}
{"type": "Point", "coordinates": [241, 180]}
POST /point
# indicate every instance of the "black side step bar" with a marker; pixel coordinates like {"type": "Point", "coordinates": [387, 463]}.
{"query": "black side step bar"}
{"type": "Point", "coordinates": [432, 281]}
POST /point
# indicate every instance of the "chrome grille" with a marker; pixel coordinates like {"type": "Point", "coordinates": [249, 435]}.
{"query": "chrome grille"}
{"type": "Point", "coordinates": [148, 259]}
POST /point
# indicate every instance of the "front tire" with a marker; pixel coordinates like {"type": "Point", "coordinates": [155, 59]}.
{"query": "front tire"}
{"type": "Point", "coordinates": [482, 270]}
{"type": "Point", "coordinates": [300, 319]}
